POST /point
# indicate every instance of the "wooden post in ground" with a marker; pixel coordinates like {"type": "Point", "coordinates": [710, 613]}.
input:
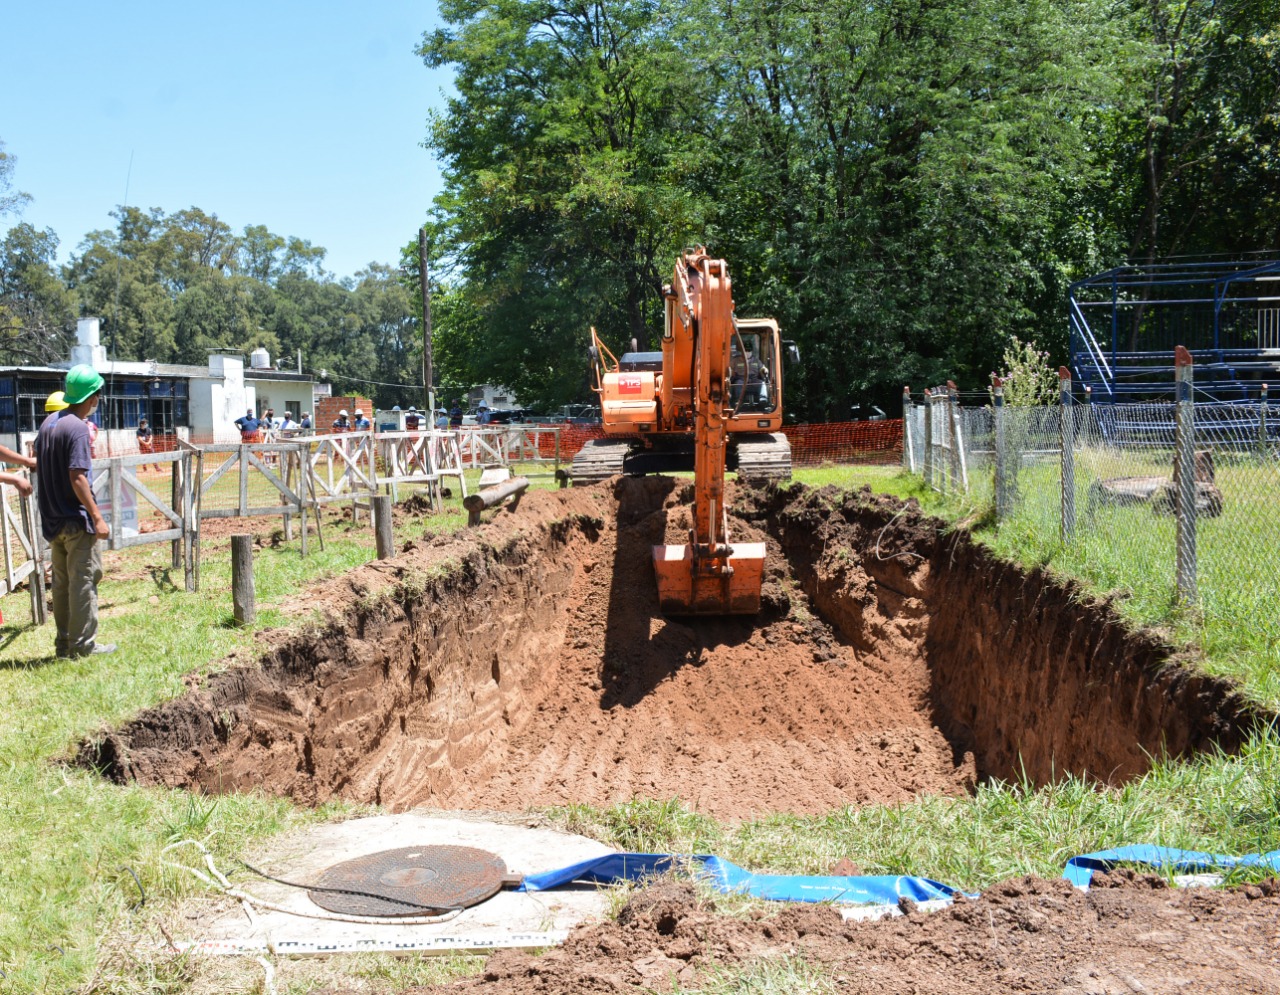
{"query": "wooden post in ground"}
{"type": "Point", "coordinates": [382, 526]}
{"type": "Point", "coordinates": [242, 595]}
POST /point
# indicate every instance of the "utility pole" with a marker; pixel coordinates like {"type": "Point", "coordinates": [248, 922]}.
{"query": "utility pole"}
{"type": "Point", "coordinates": [428, 371]}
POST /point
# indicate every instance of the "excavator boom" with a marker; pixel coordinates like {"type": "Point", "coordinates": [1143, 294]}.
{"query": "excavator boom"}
{"type": "Point", "coordinates": [709, 575]}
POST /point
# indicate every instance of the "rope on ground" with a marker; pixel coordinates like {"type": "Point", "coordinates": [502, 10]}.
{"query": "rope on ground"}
{"type": "Point", "coordinates": [218, 882]}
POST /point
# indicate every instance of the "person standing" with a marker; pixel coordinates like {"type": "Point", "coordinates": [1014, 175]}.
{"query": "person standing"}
{"type": "Point", "coordinates": [343, 422]}
{"type": "Point", "coordinates": [249, 426]}
{"type": "Point", "coordinates": [305, 422]}
{"type": "Point", "coordinates": [361, 424]}
{"type": "Point", "coordinates": [412, 420]}
{"type": "Point", "coordinates": [455, 414]}
{"type": "Point", "coordinates": [69, 516]}
{"type": "Point", "coordinates": [146, 441]}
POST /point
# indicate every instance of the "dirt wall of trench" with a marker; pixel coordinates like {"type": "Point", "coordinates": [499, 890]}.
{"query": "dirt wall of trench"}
{"type": "Point", "coordinates": [1035, 678]}
{"type": "Point", "coordinates": [525, 663]}
{"type": "Point", "coordinates": [421, 673]}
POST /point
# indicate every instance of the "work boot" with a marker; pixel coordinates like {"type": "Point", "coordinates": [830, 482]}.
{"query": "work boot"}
{"type": "Point", "coordinates": [99, 649]}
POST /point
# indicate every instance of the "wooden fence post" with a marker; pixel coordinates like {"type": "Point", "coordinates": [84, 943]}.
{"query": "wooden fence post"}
{"type": "Point", "coordinates": [242, 593]}
{"type": "Point", "coordinates": [383, 535]}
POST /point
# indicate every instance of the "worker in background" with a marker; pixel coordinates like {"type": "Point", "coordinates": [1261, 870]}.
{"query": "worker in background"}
{"type": "Point", "coordinates": [455, 414]}
{"type": "Point", "coordinates": [411, 419]}
{"type": "Point", "coordinates": [69, 515]}
{"type": "Point", "coordinates": [249, 426]}
{"type": "Point", "coordinates": [269, 425]}
{"type": "Point", "coordinates": [361, 423]}
{"type": "Point", "coordinates": [146, 440]}
{"type": "Point", "coordinates": [343, 422]}
{"type": "Point", "coordinates": [304, 422]}
{"type": "Point", "coordinates": [482, 415]}
{"type": "Point", "coordinates": [442, 420]}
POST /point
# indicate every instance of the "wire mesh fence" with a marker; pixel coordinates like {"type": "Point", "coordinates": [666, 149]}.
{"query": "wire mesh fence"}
{"type": "Point", "coordinates": [1165, 500]}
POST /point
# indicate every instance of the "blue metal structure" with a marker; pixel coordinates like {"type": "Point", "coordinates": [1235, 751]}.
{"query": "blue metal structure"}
{"type": "Point", "coordinates": [1126, 321]}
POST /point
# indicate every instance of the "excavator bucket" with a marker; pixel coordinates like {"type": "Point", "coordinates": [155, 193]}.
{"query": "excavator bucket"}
{"type": "Point", "coordinates": [691, 585]}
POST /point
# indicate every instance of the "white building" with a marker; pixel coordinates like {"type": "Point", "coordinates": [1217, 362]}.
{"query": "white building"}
{"type": "Point", "coordinates": [197, 403]}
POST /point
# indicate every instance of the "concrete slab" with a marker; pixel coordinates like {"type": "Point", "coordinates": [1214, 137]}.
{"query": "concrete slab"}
{"type": "Point", "coordinates": [509, 919]}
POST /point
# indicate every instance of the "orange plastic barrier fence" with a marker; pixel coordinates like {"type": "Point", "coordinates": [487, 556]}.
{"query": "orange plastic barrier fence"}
{"type": "Point", "coordinates": [849, 442]}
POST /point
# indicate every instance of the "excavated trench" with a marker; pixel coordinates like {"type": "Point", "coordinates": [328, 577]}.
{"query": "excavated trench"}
{"type": "Point", "coordinates": [525, 664]}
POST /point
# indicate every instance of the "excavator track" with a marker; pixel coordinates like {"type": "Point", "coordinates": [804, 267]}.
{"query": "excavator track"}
{"type": "Point", "coordinates": [599, 459]}
{"type": "Point", "coordinates": [764, 455]}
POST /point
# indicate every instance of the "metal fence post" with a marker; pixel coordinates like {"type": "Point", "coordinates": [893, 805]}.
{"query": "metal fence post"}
{"type": "Point", "coordinates": [1184, 474]}
{"type": "Point", "coordinates": [1068, 454]}
{"type": "Point", "coordinates": [1002, 449]}
{"type": "Point", "coordinates": [959, 468]}
{"type": "Point", "coordinates": [928, 437]}
{"type": "Point", "coordinates": [1262, 424]}
{"type": "Point", "coordinates": [908, 460]}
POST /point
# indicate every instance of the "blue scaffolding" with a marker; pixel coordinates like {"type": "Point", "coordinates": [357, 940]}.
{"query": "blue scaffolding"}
{"type": "Point", "coordinates": [1125, 323]}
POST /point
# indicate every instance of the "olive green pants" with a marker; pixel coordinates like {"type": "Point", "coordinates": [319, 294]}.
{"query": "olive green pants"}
{"type": "Point", "coordinates": [77, 569]}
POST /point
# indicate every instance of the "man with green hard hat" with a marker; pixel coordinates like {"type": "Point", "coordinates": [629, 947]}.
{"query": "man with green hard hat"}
{"type": "Point", "coordinates": [69, 516]}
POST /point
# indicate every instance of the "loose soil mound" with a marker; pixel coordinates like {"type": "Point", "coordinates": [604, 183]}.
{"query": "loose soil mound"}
{"type": "Point", "coordinates": [525, 664]}
{"type": "Point", "coordinates": [1128, 934]}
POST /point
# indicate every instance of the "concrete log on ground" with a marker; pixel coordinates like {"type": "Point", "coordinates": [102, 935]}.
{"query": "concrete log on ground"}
{"type": "Point", "coordinates": [492, 496]}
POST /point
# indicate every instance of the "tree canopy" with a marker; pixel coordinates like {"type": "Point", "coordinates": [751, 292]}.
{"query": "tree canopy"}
{"type": "Point", "coordinates": [906, 187]}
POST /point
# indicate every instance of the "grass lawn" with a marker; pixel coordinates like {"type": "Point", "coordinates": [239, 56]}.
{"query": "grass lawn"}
{"type": "Point", "coordinates": [67, 896]}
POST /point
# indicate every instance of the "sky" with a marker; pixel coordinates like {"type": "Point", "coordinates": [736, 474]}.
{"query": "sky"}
{"type": "Point", "coordinates": [304, 117]}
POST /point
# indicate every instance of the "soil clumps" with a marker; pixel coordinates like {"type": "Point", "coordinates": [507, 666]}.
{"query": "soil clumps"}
{"type": "Point", "coordinates": [1130, 933]}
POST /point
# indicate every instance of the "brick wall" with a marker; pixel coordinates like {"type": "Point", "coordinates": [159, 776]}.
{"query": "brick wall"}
{"type": "Point", "coordinates": [327, 409]}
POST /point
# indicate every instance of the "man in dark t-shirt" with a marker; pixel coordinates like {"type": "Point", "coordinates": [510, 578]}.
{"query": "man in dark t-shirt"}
{"type": "Point", "coordinates": [69, 516]}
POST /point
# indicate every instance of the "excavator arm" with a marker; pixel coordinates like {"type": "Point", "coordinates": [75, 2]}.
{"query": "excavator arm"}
{"type": "Point", "coordinates": [709, 575]}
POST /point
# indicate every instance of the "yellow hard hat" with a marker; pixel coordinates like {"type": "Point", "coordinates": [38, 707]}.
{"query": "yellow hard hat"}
{"type": "Point", "coordinates": [56, 402]}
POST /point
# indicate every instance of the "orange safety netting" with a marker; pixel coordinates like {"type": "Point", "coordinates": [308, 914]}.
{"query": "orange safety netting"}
{"type": "Point", "coordinates": [866, 442]}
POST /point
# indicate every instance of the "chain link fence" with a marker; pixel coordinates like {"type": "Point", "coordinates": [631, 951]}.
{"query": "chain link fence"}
{"type": "Point", "coordinates": [1162, 500]}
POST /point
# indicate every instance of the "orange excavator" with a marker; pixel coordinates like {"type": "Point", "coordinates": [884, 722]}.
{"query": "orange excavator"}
{"type": "Point", "coordinates": [712, 397]}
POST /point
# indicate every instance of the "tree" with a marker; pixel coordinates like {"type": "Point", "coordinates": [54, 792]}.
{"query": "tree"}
{"type": "Point", "coordinates": [566, 180]}
{"type": "Point", "coordinates": [11, 201]}
{"type": "Point", "coordinates": [893, 182]}
{"type": "Point", "coordinates": [37, 311]}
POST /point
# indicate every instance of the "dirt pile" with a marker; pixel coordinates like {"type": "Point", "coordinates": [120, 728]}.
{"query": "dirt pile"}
{"type": "Point", "coordinates": [1128, 934]}
{"type": "Point", "coordinates": [525, 664]}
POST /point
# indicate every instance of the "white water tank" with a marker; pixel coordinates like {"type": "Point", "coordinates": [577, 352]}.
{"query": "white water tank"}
{"type": "Point", "coordinates": [260, 359]}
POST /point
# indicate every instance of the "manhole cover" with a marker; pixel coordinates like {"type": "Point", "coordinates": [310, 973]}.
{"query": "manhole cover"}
{"type": "Point", "coordinates": [411, 881]}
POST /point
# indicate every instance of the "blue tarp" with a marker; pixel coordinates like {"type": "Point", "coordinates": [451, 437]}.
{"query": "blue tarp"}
{"type": "Point", "coordinates": [730, 878]}
{"type": "Point", "coordinates": [1080, 869]}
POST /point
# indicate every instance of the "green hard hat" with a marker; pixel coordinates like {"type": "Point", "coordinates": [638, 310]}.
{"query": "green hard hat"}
{"type": "Point", "coordinates": [82, 382]}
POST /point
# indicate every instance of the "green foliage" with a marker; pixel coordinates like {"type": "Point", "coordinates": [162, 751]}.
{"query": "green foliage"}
{"type": "Point", "coordinates": [905, 186]}
{"type": "Point", "coordinates": [1029, 378]}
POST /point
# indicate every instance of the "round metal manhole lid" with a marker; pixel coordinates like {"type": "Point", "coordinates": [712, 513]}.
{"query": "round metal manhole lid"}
{"type": "Point", "coordinates": [410, 881]}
